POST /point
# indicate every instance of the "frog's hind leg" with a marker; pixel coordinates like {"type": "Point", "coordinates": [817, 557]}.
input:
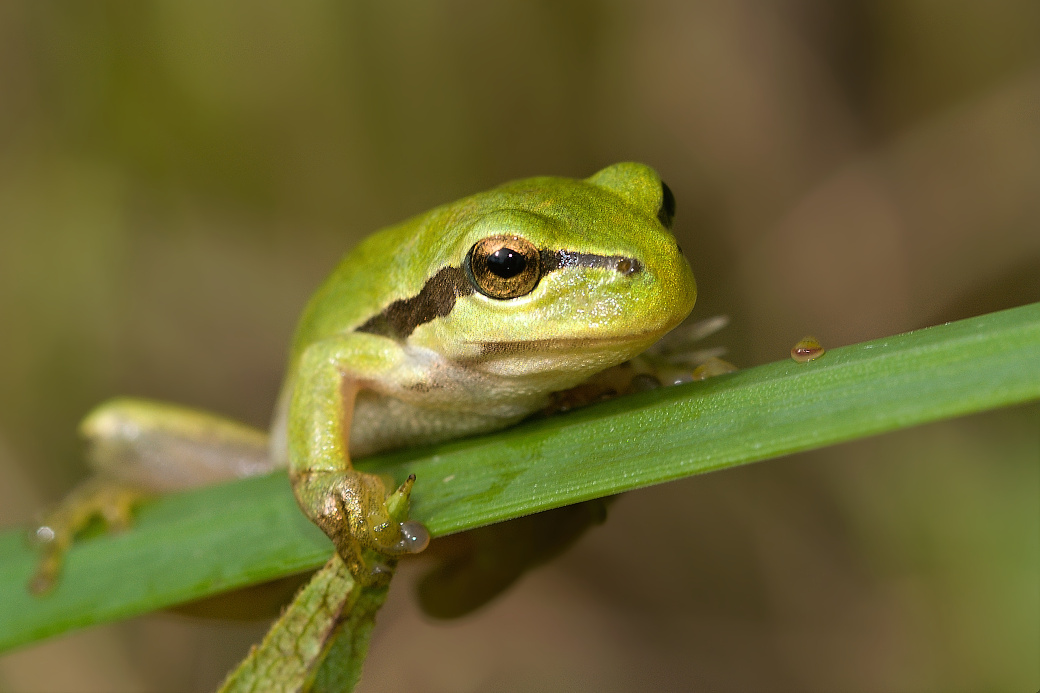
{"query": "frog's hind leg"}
{"type": "Point", "coordinates": [163, 447]}
{"type": "Point", "coordinates": [478, 565]}
{"type": "Point", "coordinates": [97, 497]}
{"type": "Point", "coordinates": [138, 448]}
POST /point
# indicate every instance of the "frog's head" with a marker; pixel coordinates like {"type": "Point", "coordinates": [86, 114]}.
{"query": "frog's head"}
{"type": "Point", "coordinates": [555, 275]}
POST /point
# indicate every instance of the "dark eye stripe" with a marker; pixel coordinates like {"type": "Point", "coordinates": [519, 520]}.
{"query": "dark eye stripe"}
{"type": "Point", "coordinates": [437, 297]}
{"type": "Point", "coordinates": [560, 259]}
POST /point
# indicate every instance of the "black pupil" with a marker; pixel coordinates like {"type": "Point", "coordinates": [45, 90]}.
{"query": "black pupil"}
{"type": "Point", "coordinates": [506, 263]}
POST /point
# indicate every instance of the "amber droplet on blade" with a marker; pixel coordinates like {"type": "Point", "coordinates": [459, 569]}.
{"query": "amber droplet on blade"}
{"type": "Point", "coordinates": [808, 349]}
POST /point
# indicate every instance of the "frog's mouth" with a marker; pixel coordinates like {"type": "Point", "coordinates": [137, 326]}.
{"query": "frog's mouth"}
{"type": "Point", "coordinates": [551, 346]}
{"type": "Point", "coordinates": [565, 359]}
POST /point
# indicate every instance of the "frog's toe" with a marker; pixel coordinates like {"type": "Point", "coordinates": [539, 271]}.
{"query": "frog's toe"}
{"type": "Point", "coordinates": [412, 536]}
{"type": "Point", "coordinates": [380, 561]}
{"type": "Point", "coordinates": [49, 565]}
{"type": "Point", "coordinates": [386, 536]}
{"type": "Point", "coordinates": [52, 540]}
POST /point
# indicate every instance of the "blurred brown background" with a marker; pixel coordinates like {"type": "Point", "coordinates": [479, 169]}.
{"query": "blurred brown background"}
{"type": "Point", "coordinates": [176, 178]}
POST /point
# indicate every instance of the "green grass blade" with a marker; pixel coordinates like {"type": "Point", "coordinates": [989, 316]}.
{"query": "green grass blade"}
{"type": "Point", "coordinates": [195, 544]}
{"type": "Point", "coordinates": [284, 660]}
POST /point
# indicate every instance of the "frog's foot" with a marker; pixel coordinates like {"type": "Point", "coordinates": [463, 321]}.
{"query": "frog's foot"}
{"type": "Point", "coordinates": [364, 524]}
{"type": "Point", "coordinates": [684, 343]}
{"type": "Point", "coordinates": [679, 358]}
{"type": "Point", "coordinates": [674, 360]}
{"type": "Point", "coordinates": [111, 501]}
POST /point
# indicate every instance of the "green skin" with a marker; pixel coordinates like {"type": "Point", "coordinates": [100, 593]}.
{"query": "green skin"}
{"type": "Point", "coordinates": [452, 362]}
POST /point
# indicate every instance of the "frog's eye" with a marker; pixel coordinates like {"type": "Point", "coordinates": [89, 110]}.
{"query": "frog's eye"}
{"type": "Point", "coordinates": [504, 266]}
{"type": "Point", "coordinates": [667, 211]}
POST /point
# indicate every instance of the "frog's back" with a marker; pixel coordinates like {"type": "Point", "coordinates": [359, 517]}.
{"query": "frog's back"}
{"type": "Point", "coordinates": [371, 275]}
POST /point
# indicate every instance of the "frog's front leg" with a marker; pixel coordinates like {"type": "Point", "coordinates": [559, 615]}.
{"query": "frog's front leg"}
{"type": "Point", "coordinates": [348, 505]}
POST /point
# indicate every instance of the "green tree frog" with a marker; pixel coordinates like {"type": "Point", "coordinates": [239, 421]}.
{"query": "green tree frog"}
{"type": "Point", "coordinates": [461, 320]}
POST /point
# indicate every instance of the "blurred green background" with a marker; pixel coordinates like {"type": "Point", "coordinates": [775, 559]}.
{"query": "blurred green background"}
{"type": "Point", "coordinates": [177, 177]}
